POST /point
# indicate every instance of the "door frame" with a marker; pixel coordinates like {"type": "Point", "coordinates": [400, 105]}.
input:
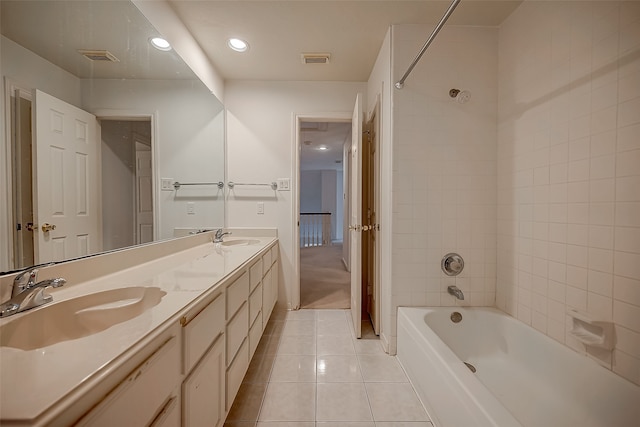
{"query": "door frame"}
{"type": "Point", "coordinates": [7, 233]}
{"type": "Point", "coordinates": [297, 119]}
{"type": "Point", "coordinates": [128, 115]}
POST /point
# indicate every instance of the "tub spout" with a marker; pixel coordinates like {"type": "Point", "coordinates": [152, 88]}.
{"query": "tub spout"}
{"type": "Point", "coordinates": [455, 291]}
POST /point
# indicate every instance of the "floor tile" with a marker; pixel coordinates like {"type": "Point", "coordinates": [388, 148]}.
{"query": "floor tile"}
{"type": "Point", "coordinates": [395, 402]}
{"type": "Point", "coordinates": [381, 368]}
{"type": "Point", "coordinates": [345, 424]}
{"type": "Point", "coordinates": [343, 402]}
{"type": "Point", "coordinates": [322, 315]}
{"type": "Point", "coordinates": [334, 344]}
{"type": "Point", "coordinates": [294, 368]}
{"type": "Point", "coordinates": [333, 327]}
{"type": "Point", "coordinates": [364, 346]}
{"type": "Point", "coordinates": [259, 368]}
{"type": "Point", "coordinates": [338, 368]}
{"type": "Point", "coordinates": [405, 424]}
{"type": "Point", "coordinates": [301, 315]}
{"type": "Point", "coordinates": [299, 327]}
{"type": "Point", "coordinates": [297, 344]}
{"type": "Point", "coordinates": [289, 402]}
{"type": "Point", "coordinates": [285, 424]}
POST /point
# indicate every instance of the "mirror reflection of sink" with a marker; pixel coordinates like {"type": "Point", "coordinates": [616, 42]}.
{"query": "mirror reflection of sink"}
{"type": "Point", "coordinates": [78, 317]}
{"type": "Point", "coordinates": [240, 242]}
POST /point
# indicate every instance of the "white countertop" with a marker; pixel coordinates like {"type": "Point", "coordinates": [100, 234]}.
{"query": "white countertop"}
{"type": "Point", "coordinates": [31, 382]}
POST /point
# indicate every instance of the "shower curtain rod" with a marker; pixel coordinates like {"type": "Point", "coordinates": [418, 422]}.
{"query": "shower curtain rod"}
{"type": "Point", "coordinates": [400, 83]}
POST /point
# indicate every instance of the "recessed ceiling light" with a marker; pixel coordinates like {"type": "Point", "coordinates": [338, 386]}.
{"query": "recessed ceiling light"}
{"type": "Point", "coordinates": [160, 43]}
{"type": "Point", "coordinates": [238, 45]}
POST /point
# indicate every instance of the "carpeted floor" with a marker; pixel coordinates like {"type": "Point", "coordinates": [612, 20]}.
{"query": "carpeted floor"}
{"type": "Point", "coordinates": [324, 281]}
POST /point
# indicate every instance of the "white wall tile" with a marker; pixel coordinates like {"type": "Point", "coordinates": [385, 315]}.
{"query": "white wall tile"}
{"type": "Point", "coordinates": [586, 199]}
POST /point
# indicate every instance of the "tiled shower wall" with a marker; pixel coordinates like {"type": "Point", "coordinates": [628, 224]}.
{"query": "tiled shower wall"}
{"type": "Point", "coordinates": [569, 171]}
{"type": "Point", "coordinates": [444, 166]}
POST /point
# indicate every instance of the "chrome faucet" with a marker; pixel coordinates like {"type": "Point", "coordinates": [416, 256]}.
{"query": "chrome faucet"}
{"type": "Point", "coordinates": [219, 235]}
{"type": "Point", "coordinates": [27, 293]}
{"type": "Point", "coordinates": [455, 291]}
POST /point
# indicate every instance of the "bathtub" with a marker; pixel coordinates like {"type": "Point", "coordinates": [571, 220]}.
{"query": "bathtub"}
{"type": "Point", "coordinates": [522, 378]}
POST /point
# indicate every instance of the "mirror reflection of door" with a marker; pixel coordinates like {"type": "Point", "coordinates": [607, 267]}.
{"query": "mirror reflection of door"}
{"type": "Point", "coordinates": [20, 106]}
{"type": "Point", "coordinates": [127, 202]}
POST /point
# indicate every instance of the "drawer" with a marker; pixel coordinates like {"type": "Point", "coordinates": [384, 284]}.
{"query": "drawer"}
{"type": "Point", "coordinates": [235, 373]}
{"type": "Point", "coordinates": [274, 254]}
{"type": "Point", "coordinates": [170, 415]}
{"type": "Point", "coordinates": [266, 262]}
{"type": "Point", "coordinates": [203, 392]}
{"type": "Point", "coordinates": [237, 330]}
{"type": "Point", "coordinates": [255, 273]}
{"type": "Point", "coordinates": [255, 303]}
{"type": "Point", "coordinates": [202, 330]}
{"type": "Point", "coordinates": [155, 380]}
{"type": "Point", "coordinates": [255, 333]}
{"type": "Point", "coordinates": [237, 293]}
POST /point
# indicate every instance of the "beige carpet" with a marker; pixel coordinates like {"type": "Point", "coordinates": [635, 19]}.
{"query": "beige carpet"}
{"type": "Point", "coordinates": [324, 281]}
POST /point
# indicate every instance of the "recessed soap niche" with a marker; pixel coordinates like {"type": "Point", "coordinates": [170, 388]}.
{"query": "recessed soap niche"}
{"type": "Point", "coordinates": [590, 332]}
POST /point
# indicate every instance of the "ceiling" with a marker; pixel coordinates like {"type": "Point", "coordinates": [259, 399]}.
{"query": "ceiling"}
{"type": "Point", "coordinates": [55, 30]}
{"type": "Point", "coordinates": [330, 135]}
{"type": "Point", "coordinates": [278, 32]}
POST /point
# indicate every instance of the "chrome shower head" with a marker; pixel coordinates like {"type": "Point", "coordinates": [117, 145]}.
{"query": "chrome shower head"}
{"type": "Point", "coordinates": [461, 96]}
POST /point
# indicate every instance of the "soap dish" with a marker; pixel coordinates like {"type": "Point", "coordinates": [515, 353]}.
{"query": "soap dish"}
{"type": "Point", "coordinates": [594, 333]}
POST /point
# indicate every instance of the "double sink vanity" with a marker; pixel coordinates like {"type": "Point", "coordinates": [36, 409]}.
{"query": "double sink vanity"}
{"type": "Point", "coordinates": [156, 335]}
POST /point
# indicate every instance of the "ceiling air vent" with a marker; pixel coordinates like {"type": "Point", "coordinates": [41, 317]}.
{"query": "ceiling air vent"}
{"type": "Point", "coordinates": [316, 58]}
{"type": "Point", "coordinates": [99, 55]}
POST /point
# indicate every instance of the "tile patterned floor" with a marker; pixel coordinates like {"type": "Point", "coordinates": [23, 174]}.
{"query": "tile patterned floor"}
{"type": "Point", "coordinates": [310, 371]}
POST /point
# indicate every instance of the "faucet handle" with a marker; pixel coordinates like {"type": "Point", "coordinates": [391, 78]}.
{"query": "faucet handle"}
{"type": "Point", "coordinates": [24, 281]}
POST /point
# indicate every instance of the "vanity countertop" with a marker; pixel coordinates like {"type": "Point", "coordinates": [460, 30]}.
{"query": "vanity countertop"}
{"type": "Point", "coordinates": [34, 381]}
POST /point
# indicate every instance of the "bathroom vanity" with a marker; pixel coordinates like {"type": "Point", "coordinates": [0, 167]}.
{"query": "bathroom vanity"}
{"type": "Point", "coordinates": [156, 335]}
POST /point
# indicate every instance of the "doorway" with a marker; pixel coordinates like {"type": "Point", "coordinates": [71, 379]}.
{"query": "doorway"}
{"type": "Point", "coordinates": [127, 177]}
{"type": "Point", "coordinates": [324, 274]}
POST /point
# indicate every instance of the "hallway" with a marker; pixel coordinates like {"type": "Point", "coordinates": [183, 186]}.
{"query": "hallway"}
{"type": "Point", "coordinates": [310, 371]}
{"type": "Point", "coordinates": [324, 280]}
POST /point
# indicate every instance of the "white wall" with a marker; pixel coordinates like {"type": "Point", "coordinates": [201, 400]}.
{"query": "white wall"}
{"type": "Point", "coordinates": [444, 167]}
{"type": "Point", "coordinates": [329, 197]}
{"type": "Point", "coordinates": [310, 191]}
{"type": "Point", "coordinates": [189, 139]}
{"type": "Point", "coordinates": [569, 171]}
{"type": "Point", "coordinates": [260, 148]}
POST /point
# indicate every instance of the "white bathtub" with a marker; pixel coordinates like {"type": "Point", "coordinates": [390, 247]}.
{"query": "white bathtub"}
{"type": "Point", "coordinates": [523, 377]}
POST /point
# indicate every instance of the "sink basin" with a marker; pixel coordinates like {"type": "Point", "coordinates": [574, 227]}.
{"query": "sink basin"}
{"type": "Point", "coordinates": [78, 317]}
{"type": "Point", "coordinates": [240, 242]}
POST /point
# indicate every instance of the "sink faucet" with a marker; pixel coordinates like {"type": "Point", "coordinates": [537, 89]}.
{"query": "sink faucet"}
{"type": "Point", "coordinates": [27, 293]}
{"type": "Point", "coordinates": [455, 291]}
{"type": "Point", "coordinates": [219, 235]}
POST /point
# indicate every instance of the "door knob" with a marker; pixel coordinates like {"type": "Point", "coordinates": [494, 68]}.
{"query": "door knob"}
{"type": "Point", "coordinates": [46, 227]}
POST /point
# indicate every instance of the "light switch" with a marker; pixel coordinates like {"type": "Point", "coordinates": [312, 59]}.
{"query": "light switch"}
{"type": "Point", "coordinates": [166, 184]}
{"type": "Point", "coordinates": [284, 184]}
{"type": "Point", "coordinates": [260, 208]}
{"type": "Point", "coordinates": [191, 208]}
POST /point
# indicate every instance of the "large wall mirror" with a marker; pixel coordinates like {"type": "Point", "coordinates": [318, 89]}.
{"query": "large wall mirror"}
{"type": "Point", "coordinates": [98, 126]}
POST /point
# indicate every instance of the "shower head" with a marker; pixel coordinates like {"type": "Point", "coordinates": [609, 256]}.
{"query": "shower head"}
{"type": "Point", "coordinates": [462, 96]}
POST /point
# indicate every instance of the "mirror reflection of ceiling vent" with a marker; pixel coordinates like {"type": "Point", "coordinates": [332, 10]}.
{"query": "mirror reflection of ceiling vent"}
{"type": "Point", "coordinates": [314, 126]}
{"type": "Point", "coordinates": [316, 58]}
{"type": "Point", "coordinates": [99, 55]}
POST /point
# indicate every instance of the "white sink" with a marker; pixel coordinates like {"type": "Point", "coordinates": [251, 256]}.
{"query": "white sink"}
{"type": "Point", "coordinates": [240, 242]}
{"type": "Point", "coordinates": [78, 317]}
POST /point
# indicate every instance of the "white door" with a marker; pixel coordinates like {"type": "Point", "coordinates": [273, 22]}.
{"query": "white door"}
{"type": "Point", "coordinates": [66, 184]}
{"type": "Point", "coordinates": [355, 226]}
{"type": "Point", "coordinates": [143, 195]}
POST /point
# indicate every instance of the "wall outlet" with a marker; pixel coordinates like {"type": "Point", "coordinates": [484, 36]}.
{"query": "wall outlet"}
{"type": "Point", "coordinates": [191, 208]}
{"type": "Point", "coordinates": [260, 208]}
{"type": "Point", "coordinates": [166, 184]}
{"type": "Point", "coordinates": [284, 184]}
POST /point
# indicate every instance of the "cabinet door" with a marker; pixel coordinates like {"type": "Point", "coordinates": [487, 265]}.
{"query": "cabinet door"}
{"type": "Point", "coordinates": [203, 392]}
